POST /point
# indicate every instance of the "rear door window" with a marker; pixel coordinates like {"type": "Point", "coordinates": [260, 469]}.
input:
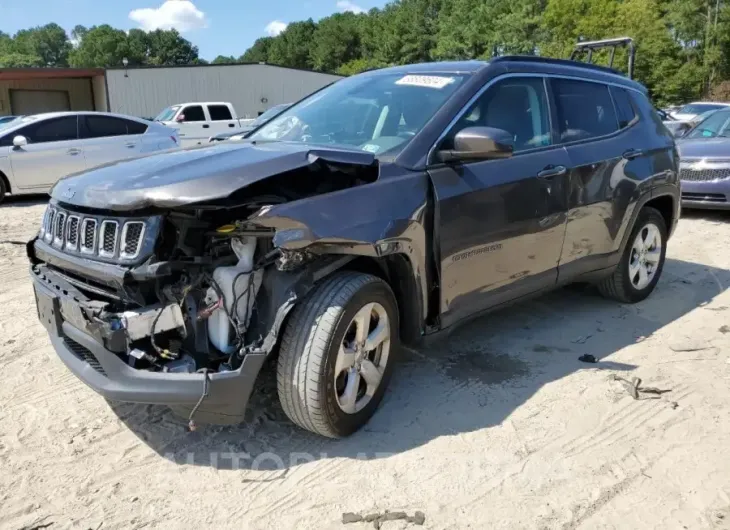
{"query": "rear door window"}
{"type": "Point", "coordinates": [103, 126]}
{"type": "Point", "coordinates": [624, 108]}
{"type": "Point", "coordinates": [218, 113]}
{"type": "Point", "coordinates": [194, 113]}
{"type": "Point", "coordinates": [55, 130]}
{"type": "Point", "coordinates": [585, 110]}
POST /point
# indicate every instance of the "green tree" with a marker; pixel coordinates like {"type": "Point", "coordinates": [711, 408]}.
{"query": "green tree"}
{"type": "Point", "coordinates": [291, 46]}
{"type": "Point", "coordinates": [49, 42]}
{"type": "Point", "coordinates": [259, 52]}
{"type": "Point", "coordinates": [100, 46]}
{"type": "Point", "coordinates": [168, 48]}
{"type": "Point", "coordinates": [336, 41]}
{"type": "Point", "coordinates": [224, 59]}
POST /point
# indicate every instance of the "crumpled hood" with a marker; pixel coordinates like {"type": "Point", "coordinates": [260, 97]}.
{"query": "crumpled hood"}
{"type": "Point", "coordinates": [704, 148]}
{"type": "Point", "coordinates": [198, 174]}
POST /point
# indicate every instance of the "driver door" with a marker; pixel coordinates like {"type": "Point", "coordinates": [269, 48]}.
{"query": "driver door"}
{"type": "Point", "coordinates": [501, 223]}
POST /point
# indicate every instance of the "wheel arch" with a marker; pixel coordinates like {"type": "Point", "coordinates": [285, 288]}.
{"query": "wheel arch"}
{"type": "Point", "coordinates": [397, 271]}
{"type": "Point", "coordinates": [665, 205]}
{"type": "Point", "coordinates": [281, 291]}
{"type": "Point", "coordinates": [665, 200]}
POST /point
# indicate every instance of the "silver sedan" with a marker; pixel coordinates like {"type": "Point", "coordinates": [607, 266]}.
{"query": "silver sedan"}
{"type": "Point", "coordinates": [36, 151]}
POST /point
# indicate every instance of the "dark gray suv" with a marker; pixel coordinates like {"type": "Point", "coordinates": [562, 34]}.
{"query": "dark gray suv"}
{"type": "Point", "coordinates": [388, 207]}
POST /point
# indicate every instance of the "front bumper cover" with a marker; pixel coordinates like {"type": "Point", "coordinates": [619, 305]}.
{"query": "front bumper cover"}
{"type": "Point", "coordinates": [81, 350]}
{"type": "Point", "coordinates": [710, 195]}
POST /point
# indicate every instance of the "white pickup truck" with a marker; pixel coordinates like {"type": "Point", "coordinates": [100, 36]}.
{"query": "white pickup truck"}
{"type": "Point", "coordinates": [198, 121]}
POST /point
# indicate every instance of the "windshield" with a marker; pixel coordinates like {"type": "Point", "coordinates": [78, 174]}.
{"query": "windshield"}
{"type": "Point", "coordinates": [17, 121]}
{"type": "Point", "coordinates": [266, 116]}
{"type": "Point", "coordinates": [376, 113]}
{"type": "Point", "coordinates": [7, 122]}
{"type": "Point", "coordinates": [715, 125]}
{"type": "Point", "coordinates": [699, 108]}
{"type": "Point", "coordinates": [168, 114]}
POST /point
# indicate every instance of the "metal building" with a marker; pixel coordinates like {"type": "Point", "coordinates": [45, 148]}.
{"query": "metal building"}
{"type": "Point", "coordinates": [252, 88]}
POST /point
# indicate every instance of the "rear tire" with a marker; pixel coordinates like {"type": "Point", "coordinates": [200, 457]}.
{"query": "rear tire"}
{"type": "Point", "coordinates": [642, 262]}
{"type": "Point", "coordinates": [329, 380]}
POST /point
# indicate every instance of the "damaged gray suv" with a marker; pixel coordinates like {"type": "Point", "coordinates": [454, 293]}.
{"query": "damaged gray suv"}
{"type": "Point", "coordinates": [383, 209]}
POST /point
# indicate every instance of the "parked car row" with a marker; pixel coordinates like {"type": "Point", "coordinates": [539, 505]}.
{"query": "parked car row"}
{"type": "Point", "coordinates": [705, 162]}
{"type": "Point", "coordinates": [36, 151]}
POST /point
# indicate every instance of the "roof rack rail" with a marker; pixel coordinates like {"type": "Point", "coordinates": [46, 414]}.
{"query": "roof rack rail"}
{"type": "Point", "coordinates": [589, 46]}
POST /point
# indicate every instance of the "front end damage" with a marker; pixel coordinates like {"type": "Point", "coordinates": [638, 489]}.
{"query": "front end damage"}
{"type": "Point", "coordinates": [181, 305]}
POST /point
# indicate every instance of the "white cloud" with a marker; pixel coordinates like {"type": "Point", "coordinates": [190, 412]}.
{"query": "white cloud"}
{"type": "Point", "coordinates": [179, 14]}
{"type": "Point", "coordinates": [275, 27]}
{"type": "Point", "coordinates": [346, 5]}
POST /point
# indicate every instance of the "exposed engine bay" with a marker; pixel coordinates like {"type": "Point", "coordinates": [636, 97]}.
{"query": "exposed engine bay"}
{"type": "Point", "coordinates": [188, 305]}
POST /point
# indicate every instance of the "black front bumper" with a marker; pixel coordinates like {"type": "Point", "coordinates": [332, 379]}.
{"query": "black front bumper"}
{"type": "Point", "coordinates": [77, 342]}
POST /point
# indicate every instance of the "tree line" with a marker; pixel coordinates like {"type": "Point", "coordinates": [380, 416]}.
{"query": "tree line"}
{"type": "Point", "coordinates": [683, 45]}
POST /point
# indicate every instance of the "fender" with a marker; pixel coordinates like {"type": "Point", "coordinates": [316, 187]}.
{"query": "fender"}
{"type": "Point", "coordinates": [385, 218]}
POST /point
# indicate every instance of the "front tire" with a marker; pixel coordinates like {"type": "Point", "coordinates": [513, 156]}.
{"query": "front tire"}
{"type": "Point", "coordinates": [337, 354]}
{"type": "Point", "coordinates": [642, 262]}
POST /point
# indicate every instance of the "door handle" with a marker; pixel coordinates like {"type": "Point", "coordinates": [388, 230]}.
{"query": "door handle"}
{"type": "Point", "coordinates": [73, 151]}
{"type": "Point", "coordinates": [552, 171]}
{"type": "Point", "coordinates": [231, 125]}
{"type": "Point", "coordinates": [130, 146]}
{"type": "Point", "coordinates": [632, 153]}
{"type": "Point", "coordinates": [206, 126]}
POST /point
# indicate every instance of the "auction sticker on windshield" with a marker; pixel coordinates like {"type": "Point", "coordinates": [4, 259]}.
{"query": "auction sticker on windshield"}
{"type": "Point", "coordinates": [429, 81]}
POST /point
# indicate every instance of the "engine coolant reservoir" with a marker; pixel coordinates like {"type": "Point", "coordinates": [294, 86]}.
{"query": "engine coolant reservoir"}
{"type": "Point", "coordinates": [234, 282]}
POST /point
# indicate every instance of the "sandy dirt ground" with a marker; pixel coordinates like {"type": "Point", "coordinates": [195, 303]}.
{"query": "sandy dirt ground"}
{"type": "Point", "coordinates": [500, 426]}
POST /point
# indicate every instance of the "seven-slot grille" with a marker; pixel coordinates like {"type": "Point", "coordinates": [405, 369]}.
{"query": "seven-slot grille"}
{"type": "Point", "coordinates": [106, 238]}
{"type": "Point", "coordinates": [703, 175]}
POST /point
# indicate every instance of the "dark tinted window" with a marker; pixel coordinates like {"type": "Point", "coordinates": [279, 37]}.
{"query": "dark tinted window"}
{"type": "Point", "coordinates": [218, 113]}
{"type": "Point", "coordinates": [585, 110]}
{"type": "Point", "coordinates": [56, 130]}
{"type": "Point", "coordinates": [135, 127]}
{"type": "Point", "coordinates": [624, 109]}
{"type": "Point", "coordinates": [194, 113]}
{"type": "Point", "coordinates": [103, 126]}
{"type": "Point", "coordinates": [518, 106]}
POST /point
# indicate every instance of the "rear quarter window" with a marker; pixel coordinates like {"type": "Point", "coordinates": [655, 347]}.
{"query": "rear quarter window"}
{"type": "Point", "coordinates": [625, 111]}
{"type": "Point", "coordinates": [135, 127]}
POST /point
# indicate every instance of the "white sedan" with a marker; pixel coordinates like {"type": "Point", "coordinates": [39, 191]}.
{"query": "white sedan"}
{"type": "Point", "coordinates": [36, 151]}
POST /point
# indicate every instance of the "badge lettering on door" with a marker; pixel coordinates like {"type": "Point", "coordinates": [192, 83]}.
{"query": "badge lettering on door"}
{"type": "Point", "coordinates": [475, 252]}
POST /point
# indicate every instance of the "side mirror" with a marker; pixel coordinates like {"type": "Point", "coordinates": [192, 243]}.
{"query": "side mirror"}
{"type": "Point", "coordinates": [479, 143]}
{"type": "Point", "coordinates": [180, 118]}
{"type": "Point", "coordinates": [20, 141]}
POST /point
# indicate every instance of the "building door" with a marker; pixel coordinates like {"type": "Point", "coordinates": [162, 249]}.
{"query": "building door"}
{"type": "Point", "coordinates": [26, 102]}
